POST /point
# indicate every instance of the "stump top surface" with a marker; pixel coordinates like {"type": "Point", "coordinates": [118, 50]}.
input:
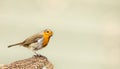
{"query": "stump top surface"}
{"type": "Point", "coordinates": [35, 62]}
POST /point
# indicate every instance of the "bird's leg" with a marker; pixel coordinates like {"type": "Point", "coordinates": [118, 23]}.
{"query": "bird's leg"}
{"type": "Point", "coordinates": [36, 54]}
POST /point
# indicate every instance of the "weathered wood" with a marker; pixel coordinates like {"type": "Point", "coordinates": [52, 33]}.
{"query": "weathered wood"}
{"type": "Point", "coordinates": [35, 62]}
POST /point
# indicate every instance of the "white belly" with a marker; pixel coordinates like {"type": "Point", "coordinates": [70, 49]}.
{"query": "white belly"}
{"type": "Point", "coordinates": [40, 41]}
{"type": "Point", "coordinates": [36, 46]}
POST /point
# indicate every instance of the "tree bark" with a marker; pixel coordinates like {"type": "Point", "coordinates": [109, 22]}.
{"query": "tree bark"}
{"type": "Point", "coordinates": [35, 62]}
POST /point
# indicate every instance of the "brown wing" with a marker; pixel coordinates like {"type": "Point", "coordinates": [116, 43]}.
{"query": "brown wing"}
{"type": "Point", "coordinates": [32, 39]}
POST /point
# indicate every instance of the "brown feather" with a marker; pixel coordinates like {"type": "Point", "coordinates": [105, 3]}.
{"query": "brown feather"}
{"type": "Point", "coordinates": [32, 39]}
{"type": "Point", "coordinates": [15, 44]}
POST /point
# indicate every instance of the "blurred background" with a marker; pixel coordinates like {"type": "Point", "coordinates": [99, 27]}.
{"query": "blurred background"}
{"type": "Point", "coordinates": [86, 32]}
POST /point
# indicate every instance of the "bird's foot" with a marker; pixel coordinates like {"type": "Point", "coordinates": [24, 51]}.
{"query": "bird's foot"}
{"type": "Point", "coordinates": [36, 55]}
{"type": "Point", "coordinates": [39, 55]}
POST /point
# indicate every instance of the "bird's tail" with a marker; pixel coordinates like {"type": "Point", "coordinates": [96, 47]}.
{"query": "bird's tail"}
{"type": "Point", "coordinates": [14, 44]}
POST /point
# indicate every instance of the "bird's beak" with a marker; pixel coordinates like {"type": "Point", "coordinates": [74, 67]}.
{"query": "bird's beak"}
{"type": "Point", "coordinates": [51, 33]}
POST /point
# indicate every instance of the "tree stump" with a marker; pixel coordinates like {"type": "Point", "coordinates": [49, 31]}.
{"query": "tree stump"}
{"type": "Point", "coordinates": [35, 62]}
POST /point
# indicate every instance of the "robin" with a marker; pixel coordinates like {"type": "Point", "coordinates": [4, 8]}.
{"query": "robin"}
{"type": "Point", "coordinates": [36, 41]}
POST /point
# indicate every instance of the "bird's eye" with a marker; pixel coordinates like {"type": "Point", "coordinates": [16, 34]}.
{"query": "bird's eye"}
{"type": "Point", "coordinates": [47, 31]}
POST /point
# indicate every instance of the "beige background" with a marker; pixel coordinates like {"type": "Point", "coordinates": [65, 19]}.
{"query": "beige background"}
{"type": "Point", "coordinates": [86, 32]}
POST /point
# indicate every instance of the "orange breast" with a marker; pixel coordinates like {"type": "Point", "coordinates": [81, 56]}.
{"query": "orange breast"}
{"type": "Point", "coordinates": [46, 40]}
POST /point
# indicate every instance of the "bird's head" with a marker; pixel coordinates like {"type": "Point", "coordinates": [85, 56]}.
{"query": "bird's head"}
{"type": "Point", "coordinates": [48, 32]}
